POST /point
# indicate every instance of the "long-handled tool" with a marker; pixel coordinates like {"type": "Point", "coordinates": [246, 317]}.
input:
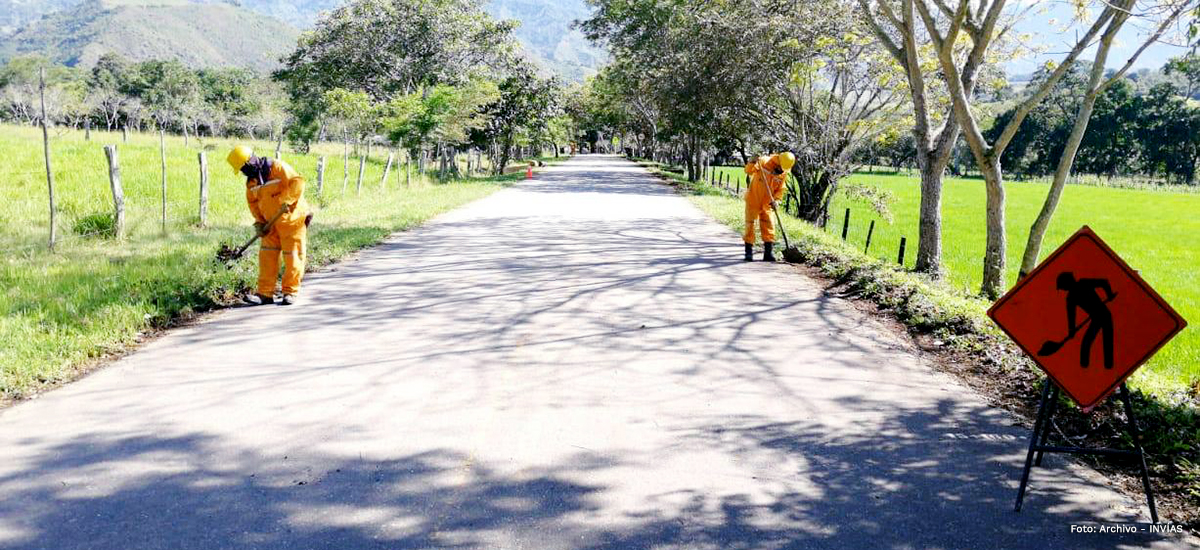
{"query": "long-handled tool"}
{"type": "Point", "coordinates": [230, 255]}
{"type": "Point", "coordinates": [790, 253]}
{"type": "Point", "coordinates": [1050, 347]}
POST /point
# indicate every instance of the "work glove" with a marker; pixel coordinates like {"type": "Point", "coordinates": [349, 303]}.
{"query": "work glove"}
{"type": "Point", "coordinates": [260, 228]}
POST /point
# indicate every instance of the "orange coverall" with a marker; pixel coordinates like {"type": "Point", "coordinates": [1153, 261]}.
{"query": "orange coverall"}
{"type": "Point", "coordinates": [758, 197]}
{"type": "Point", "coordinates": [288, 236]}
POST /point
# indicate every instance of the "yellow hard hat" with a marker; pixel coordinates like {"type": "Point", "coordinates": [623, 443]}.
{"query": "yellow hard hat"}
{"type": "Point", "coordinates": [239, 156]}
{"type": "Point", "coordinates": [786, 161]}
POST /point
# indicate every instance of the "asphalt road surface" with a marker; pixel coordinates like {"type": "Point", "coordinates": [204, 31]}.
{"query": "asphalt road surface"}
{"type": "Point", "coordinates": [582, 361]}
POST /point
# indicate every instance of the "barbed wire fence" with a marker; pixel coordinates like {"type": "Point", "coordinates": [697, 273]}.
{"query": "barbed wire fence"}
{"type": "Point", "coordinates": [129, 217]}
{"type": "Point", "coordinates": [732, 184]}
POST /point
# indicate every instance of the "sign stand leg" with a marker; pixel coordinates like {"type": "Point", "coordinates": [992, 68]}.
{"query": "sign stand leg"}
{"type": "Point", "coordinates": [1033, 444]}
{"type": "Point", "coordinates": [1052, 407]}
{"type": "Point", "coordinates": [1137, 444]}
{"type": "Point", "coordinates": [1047, 406]}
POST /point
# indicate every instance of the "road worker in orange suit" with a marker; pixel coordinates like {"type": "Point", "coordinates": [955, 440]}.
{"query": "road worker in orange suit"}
{"type": "Point", "coordinates": [275, 191]}
{"type": "Point", "coordinates": [767, 176]}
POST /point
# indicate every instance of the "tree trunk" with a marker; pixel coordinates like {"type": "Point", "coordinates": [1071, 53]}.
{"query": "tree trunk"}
{"type": "Point", "coordinates": [1037, 232]}
{"type": "Point", "coordinates": [994, 253]}
{"type": "Point", "coordinates": [504, 154]}
{"type": "Point", "coordinates": [929, 238]}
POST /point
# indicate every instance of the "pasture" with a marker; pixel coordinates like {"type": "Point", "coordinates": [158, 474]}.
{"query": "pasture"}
{"type": "Point", "coordinates": [1156, 231]}
{"type": "Point", "coordinates": [97, 294]}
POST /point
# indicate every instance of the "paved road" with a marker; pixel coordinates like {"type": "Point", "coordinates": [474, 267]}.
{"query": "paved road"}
{"type": "Point", "coordinates": [577, 362]}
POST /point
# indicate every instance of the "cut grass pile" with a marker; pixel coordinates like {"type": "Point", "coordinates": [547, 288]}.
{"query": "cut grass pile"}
{"type": "Point", "coordinates": [1155, 231]}
{"type": "Point", "coordinates": [96, 294]}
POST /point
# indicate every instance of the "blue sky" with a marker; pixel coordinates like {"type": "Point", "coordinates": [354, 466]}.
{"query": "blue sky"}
{"type": "Point", "coordinates": [1045, 26]}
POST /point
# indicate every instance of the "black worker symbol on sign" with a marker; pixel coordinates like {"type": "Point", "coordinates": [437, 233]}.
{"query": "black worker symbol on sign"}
{"type": "Point", "coordinates": [1082, 294]}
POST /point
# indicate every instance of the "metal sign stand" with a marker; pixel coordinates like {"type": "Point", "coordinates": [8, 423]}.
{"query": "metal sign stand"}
{"type": "Point", "coordinates": [1041, 431]}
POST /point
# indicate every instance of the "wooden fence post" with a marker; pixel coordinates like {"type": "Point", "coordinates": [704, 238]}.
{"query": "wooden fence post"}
{"type": "Point", "coordinates": [345, 161]}
{"type": "Point", "coordinates": [870, 231]}
{"type": "Point", "coordinates": [362, 166]}
{"type": "Point", "coordinates": [387, 171]}
{"type": "Point", "coordinates": [407, 168]}
{"type": "Point", "coordinates": [203, 189]}
{"type": "Point", "coordinates": [162, 147]}
{"type": "Point", "coordinates": [118, 193]}
{"type": "Point", "coordinates": [900, 258]}
{"type": "Point", "coordinates": [320, 174]}
{"type": "Point", "coordinates": [125, 134]}
{"type": "Point", "coordinates": [846, 225]}
{"type": "Point", "coordinates": [46, 151]}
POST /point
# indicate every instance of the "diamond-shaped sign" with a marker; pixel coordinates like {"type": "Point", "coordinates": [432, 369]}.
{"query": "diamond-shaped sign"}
{"type": "Point", "coordinates": [1086, 318]}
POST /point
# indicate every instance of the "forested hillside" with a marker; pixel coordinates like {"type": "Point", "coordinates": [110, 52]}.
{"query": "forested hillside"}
{"type": "Point", "coordinates": [15, 14]}
{"type": "Point", "coordinates": [196, 35]}
{"type": "Point", "coordinates": [80, 33]}
{"type": "Point", "coordinates": [546, 31]}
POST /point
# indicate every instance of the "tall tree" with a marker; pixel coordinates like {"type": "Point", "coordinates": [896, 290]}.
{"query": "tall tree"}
{"type": "Point", "coordinates": [388, 48]}
{"type": "Point", "coordinates": [935, 129]}
{"type": "Point", "coordinates": [1167, 14]}
{"type": "Point", "coordinates": [974, 28]}
{"type": "Point", "coordinates": [699, 61]}
{"type": "Point", "coordinates": [840, 93]}
{"type": "Point", "coordinates": [526, 102]}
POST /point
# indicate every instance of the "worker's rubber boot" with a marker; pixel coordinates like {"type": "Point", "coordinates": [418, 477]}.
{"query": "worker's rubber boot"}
{"type": "Point", "coordinates": [258, 299]}
{"type": "Point", "coordinates": [290, 299]}
{"type": "Point", "coordinates": [768, 252]}
{"type": "Point", "coordinates": [749, 252]}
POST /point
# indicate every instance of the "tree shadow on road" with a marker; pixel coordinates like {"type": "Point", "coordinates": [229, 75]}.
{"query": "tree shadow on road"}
{"type": "Point", "coordinates": [890, 482]}
{"type": "Point", "coordinates": [752, 414]}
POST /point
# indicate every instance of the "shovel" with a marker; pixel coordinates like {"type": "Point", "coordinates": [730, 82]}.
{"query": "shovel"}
{"type": "Point", "coordinates": [1051, 347]}
{"type": "Point", "coordinates": [230, 255]}
{"type": "Point", "coordinates": [790, 253]}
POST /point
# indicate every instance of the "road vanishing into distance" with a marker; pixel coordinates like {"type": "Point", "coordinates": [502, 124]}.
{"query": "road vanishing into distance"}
{"type": "Point", "coordinates": [580, 361]}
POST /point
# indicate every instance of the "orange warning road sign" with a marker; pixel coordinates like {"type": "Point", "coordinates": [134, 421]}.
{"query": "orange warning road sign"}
{"type": "Point", "coordinates": [1086, 318]}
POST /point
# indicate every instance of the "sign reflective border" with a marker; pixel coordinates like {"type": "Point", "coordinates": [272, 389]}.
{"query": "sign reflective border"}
{"type": "Point", "coordinates": [1086, 318]}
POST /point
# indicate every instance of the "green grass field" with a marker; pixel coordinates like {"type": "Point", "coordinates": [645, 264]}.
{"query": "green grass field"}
{"type": "Point", "coordinates": [1157, 232]}
{"type": "Point", "coordinates": [95, 294]}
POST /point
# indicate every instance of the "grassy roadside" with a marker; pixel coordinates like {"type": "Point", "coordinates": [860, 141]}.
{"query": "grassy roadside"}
{"type": "Point", "coordinates": [1154, 229]}
{"type": "Point", "coordinates": [96, 295]}
{"type": "Point", "coordinates": [954, 327]}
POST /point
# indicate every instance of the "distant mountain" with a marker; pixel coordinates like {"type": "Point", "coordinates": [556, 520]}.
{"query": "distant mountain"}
{"type": "Point", "coordinates": [216, 35]}
{"type": "Point", "coordinates": [300, 13]}
{"type": "Point", "coordinates": [15, 14]}
{"type": "Point", "coordinates": [545, 29]}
